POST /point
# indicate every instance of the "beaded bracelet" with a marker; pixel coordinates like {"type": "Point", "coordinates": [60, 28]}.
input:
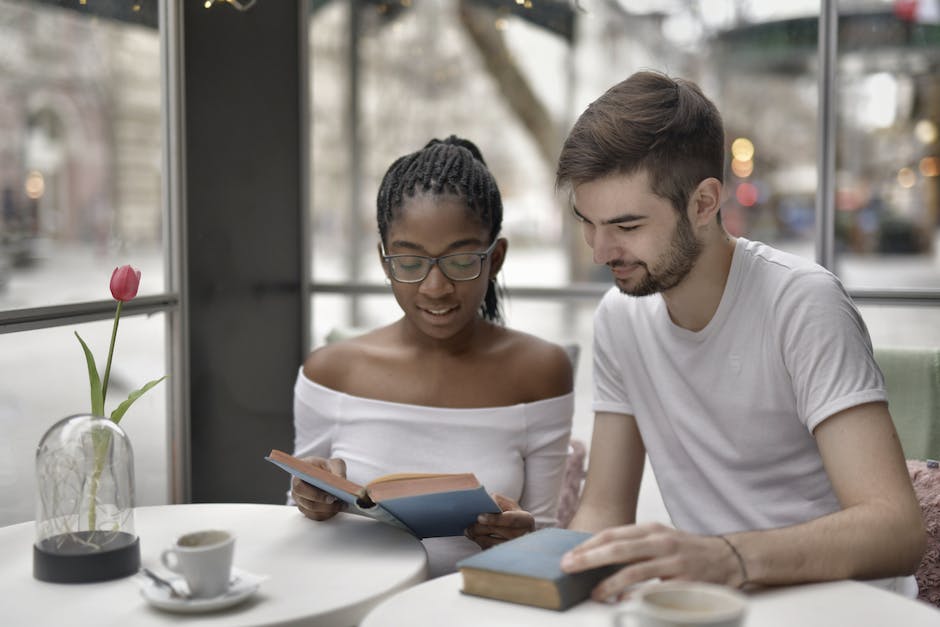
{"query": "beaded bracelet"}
{"type": "Point", "coordinates": [737, 554]}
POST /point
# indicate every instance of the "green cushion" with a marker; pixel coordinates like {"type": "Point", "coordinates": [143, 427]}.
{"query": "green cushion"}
{"type": "Point", "coordinates": [912, 378]}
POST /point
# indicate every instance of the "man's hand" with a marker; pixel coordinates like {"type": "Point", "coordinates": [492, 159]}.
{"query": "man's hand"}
{"type": "Point", "coordinates": [313, 502]}
{"type": "Point", "coordinates": [492, 529]}
{"type": "Point", "coordinates": [653, 550]}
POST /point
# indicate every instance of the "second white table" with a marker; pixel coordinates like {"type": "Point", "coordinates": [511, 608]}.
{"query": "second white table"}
{"type": "Point", "coordinates": [834, 604]}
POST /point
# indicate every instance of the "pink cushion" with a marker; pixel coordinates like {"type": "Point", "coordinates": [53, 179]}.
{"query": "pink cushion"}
{"type": "Point", "coordinates": [927, 488]}
{"type": "Point", "coordinates": [570, 494]}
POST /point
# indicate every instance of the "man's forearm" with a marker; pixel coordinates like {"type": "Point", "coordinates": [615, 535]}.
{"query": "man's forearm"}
{"type": "Point", "coordinates": [595, 518]}
{"type": "Point", "coordinates": [867, 541]}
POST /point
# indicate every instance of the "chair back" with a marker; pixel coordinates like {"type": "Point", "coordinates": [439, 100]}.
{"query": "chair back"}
{"type": "Point", "coordinates": [912, 379]}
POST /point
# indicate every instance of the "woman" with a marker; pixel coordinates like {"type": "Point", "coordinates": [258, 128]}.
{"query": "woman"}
{"type": "Point", "coordinates": [447, 388]}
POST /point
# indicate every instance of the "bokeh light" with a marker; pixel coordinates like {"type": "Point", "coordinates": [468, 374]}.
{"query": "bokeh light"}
{"type": "Point", "coordinates": [742, 169]}
{"type": "Point", "coordinates": [925, 131]}
{"type": "Point", "coordinates": [929, 166]}
{"type": "Point", "coordinates": [747, 194]}
{"type": "Point", "coordinates": [906, 178]}
{"type": "Point", "coordinates": [742, 149]}
{"type": "Point", "coordinates": [35, 185]}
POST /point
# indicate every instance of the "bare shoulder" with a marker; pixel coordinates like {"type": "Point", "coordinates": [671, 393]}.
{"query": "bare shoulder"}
{"type": "Point", "coordinates": [548, 366]}
{"type": "Point", "coordinates": [333, 365]}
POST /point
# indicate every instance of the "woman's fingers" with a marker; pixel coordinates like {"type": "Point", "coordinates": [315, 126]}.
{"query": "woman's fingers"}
{"type": "Point", "coordinates": [493, 529]}
{"type": "Point", "coordinates": [313, 502]}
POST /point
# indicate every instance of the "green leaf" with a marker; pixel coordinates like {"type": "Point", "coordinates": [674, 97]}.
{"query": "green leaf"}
{"type": "Point", "coordinates": [97, 399]}
{"type": "Point", "coordinates": [118, 412]}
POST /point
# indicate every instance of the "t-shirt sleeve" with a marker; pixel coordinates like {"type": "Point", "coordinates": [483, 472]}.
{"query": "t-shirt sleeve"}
{"type": "Point", "coordinates": [826, 348]}
{"type": "Point", "coordinates": [610, 395]}
{"type": "Point", "coordinates": [548, 430]}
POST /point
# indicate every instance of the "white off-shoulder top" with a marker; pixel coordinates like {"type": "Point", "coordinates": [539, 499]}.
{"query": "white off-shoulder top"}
{"type": "Point", "coordinates": [518, 451]}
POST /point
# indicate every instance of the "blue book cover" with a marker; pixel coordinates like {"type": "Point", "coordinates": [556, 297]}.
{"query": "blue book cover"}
{"type": "Point", "coordinates": [425, 505]}
{"type": "Point", "coordinates": [440, 514]}
{"type": "Point", "coordinates": [527, 570]}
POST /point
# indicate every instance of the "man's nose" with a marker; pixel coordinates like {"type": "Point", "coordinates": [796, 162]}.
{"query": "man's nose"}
{"type": "Point", "coordinates": [605, 247]}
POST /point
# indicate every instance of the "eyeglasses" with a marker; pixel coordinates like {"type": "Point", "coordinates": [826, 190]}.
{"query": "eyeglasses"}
{"type": "Point", "coordinates": [456, 266]}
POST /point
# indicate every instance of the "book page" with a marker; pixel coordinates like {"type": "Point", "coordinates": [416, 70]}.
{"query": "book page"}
{"type": "Point", "coordinates": [397, 476]}
{"type": "Point", "coordinates": [403, 484]}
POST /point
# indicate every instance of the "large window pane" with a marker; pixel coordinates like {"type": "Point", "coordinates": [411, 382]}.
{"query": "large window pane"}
{"type": "Point", "coordinates": [80, 149]}
{"type": "Point", "coordinates": [45, 380]}
{"type": "Point", "coordinates": [514, 80]}
{"type": "Point", "coordinates": [888, 154]}
{"type": "Point", "coordinates": [80, 193]}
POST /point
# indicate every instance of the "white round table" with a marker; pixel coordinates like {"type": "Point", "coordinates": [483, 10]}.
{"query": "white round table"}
{"type": "Point", "coordinates": [324, 574]}
{"type": "Point", "coordinates": [835, 604]}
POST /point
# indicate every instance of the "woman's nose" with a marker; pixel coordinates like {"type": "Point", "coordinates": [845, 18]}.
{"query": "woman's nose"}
{"type": "Point", "coordinates": [436, 282]}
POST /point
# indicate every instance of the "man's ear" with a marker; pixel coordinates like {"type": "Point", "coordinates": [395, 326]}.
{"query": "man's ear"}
{"type": "Point", "coordinates": [498, 256]}
{"type": "Point", "coordinates": [705, 201]}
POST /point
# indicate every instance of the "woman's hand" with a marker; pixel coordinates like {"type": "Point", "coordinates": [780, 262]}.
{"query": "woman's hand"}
{"type": "Point", "coordinates": [313, 502]}
{"type": "Point", "coordinates": [492, 529]}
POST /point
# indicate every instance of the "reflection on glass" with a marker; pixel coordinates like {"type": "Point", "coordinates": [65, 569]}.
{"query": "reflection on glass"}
{"type": "Point", "coordinates": [80, 149]}
{"type": "Point", "coordinates": [390, 76]}
{"type": "Point", "coordinates": [887, 185]}
{"type": "Point", "coordinates": [45, 380]}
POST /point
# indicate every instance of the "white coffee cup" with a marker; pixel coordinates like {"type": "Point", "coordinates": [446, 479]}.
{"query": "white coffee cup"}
{"type": "Point", "coordinates": [204, 558]}
{"type": "Point", "coordinates": [684, 604]}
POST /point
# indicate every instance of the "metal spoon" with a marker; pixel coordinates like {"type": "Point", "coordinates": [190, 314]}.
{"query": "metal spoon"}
{"type": "Point", "coordinates": [166, 583]}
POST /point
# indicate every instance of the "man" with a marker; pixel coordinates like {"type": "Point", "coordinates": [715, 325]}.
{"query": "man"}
{"type": "Point", "coordinates": [745, 373]}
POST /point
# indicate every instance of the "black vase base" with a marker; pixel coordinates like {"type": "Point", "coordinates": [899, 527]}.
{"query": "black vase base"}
{"type": "Point", "coordinates": [76, 558]}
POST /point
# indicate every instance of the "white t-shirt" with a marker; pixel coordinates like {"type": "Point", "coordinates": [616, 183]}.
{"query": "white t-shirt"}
{"type": "Point", "coordinates": [727, 413]}
{"type": "Point", "coordinates": [518, 451]}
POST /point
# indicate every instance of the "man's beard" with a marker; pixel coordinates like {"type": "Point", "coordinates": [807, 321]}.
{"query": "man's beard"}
{"type": "Point", "coordinates": [672, 266]}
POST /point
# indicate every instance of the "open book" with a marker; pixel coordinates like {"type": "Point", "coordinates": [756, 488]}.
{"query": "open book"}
{"type": "Point", "coordinates": [426, 505]}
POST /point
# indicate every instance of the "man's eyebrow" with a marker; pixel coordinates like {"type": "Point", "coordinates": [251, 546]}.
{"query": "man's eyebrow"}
{"type": "Point", "coordinates": [627, 217]}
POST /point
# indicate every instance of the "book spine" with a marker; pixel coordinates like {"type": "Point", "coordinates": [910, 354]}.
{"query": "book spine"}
{"type": "Point", "coordinates": [379, 513]}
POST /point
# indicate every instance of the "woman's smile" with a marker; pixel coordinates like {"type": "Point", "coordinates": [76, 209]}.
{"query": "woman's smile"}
{"type": "Point", "coordinates": [438, 314]}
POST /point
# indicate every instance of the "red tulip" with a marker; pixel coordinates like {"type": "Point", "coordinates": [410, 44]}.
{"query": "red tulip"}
{"type": "Point", "coordinates": [124, 283]}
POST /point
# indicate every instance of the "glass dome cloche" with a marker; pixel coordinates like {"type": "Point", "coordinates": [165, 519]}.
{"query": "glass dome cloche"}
{"type": "Point", "coordinates": [85, 502]}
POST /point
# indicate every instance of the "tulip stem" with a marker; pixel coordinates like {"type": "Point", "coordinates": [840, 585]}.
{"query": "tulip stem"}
{"type": "Point", "coordinates": [107, 368]}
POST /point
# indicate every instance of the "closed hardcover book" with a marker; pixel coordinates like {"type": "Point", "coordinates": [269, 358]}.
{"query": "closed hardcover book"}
{"type": "Point", "coordinates": [426, 505]}
{"type": "Point", "coordinates": [527, 570]}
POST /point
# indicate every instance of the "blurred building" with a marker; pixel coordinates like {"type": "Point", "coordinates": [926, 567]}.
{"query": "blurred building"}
{"type": "Point", "coordinates": [80, 128]}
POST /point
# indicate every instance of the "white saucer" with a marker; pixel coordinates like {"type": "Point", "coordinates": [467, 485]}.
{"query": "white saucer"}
{"type": "Point", "coordinates": [244, 584]}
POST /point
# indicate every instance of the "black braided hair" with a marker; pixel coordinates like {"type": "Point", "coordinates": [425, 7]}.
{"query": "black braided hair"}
{"type": "Point", "coordinates": [449, 167]}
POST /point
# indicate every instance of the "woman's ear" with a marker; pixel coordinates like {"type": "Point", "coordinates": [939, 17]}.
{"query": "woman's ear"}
{"type": "Point", "coordinates": [498, 256]}
{"type": "Point", "coordinates": [378, 248]}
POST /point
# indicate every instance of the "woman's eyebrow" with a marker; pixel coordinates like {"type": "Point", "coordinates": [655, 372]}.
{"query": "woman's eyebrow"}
{"type": "Point", "coordinates": [471, 241]}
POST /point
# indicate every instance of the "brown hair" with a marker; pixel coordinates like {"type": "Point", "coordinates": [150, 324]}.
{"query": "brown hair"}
{"type": "Point", "coordinates": [647, 122]}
